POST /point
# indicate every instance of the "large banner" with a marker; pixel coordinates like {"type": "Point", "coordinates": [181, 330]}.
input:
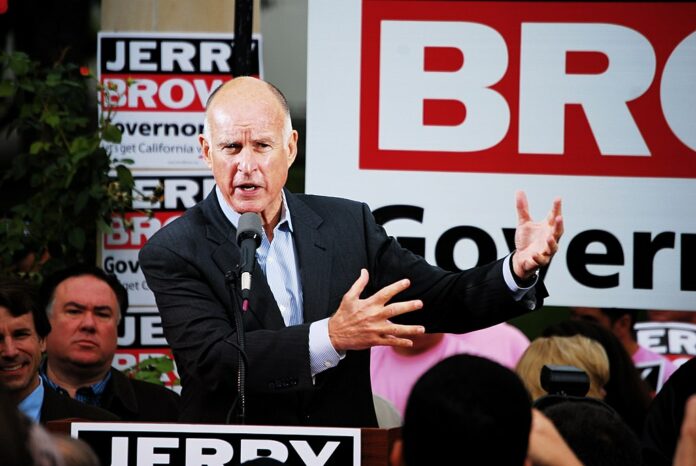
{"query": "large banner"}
{"type": "Point", "coordinates": [436, 112]}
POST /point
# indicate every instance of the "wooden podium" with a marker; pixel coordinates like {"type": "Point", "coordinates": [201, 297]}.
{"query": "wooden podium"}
{"type": "Point", "coordinates": [116, 442]}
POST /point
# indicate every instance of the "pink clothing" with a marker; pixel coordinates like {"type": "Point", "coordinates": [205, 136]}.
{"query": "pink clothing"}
{"type": "Point", "coordinates": [393, 374]}
{"type": "Point", "coordinates": [645, 360]}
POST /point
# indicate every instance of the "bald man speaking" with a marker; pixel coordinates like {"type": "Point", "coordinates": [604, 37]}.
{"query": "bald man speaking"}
{"type": "Point", "coordinates": [331, 284]}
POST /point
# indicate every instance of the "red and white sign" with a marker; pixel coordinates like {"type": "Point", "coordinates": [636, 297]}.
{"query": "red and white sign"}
{"type": "Point", "coordinates": [540, 88]}
{"type": "Point", "coordinates": [435, 112]}
{"type": "Point", "coordinates": [160, 83]}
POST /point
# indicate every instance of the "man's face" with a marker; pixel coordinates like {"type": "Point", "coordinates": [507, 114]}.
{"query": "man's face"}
{"type": "Point", "coordinates": [84, 319]}
{"type": "Point", "coordinates": [20, 353]}
{"type": "Point", "coordinates": [592, 314]}
{"type": "Point", "coordinates": [246, 148]}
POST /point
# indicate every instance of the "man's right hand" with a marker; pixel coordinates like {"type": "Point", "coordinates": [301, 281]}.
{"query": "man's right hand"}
{"type": "Point", "coordinates": [364, 323]}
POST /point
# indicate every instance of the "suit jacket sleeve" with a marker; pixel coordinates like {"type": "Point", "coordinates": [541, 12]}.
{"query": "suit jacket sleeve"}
{"type": "Point", "coordinates": [453, 302]}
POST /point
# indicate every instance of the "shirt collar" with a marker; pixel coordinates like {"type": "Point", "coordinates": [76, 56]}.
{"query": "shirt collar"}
{"type": "Point", "coordinates": [233, 216]}
{"type": "Point", "coordinates": [31, 405]}
{"type": "Point", "coordinates": [90, 394]}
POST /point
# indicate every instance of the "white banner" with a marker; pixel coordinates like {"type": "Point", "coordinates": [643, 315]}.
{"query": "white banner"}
{"type": "Point", "coordinates": [446, 108]}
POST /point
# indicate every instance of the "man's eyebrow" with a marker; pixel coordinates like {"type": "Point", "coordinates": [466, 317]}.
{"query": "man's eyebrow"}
{"type": "Point", "coordinates": [75, 304]}
{"type": "Point", "coordinates": [82, 306]}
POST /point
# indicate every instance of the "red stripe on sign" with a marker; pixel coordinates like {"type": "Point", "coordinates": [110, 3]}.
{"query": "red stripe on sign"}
{"type": "Point", "coordinates": [159, 92]}
{"type": "Point", "coordinates": [133, 231]}
{"type": "Point", "coordinates": [442, 59]}
{"type": "Point", "coordinates": [443, 112]}
{"type": "Point", "coordinates": [586, 62]}
{"type": "Point", "coordinates": [555, 88]}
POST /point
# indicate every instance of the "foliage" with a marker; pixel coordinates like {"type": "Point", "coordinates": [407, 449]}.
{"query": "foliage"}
{"type": "Point", "coordinates": [70, 188]}
{"type": "Point", "coordinates": [152, 369]}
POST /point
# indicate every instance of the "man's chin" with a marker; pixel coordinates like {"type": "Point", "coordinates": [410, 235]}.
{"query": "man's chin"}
{"type": "Point", "coordinates": [92, 362]}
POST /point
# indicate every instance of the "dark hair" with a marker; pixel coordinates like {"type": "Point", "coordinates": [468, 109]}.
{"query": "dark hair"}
{"type": "Point", "coordinates": [19, 297]}
{"type": "Point", "coordinates": [595, 432]}
{"type": "Point", "coordinates": [627, 393]}
{"type": "Point", "coordinates": [468, 404]}
{"type": "Point", "coordinates": [615, 313]}
{"type": "Point", "coordinates": [50, 283]}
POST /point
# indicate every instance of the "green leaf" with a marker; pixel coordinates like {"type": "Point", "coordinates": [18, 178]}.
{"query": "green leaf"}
{"type": "Point", "coordinates": [81, 201]}
{"type": "Point", "coordinates": [52, 120]}
{"type": "Point", "coordinates": [79, 146]}
{"type": "Point", "coordinates": [161, 364]}
{"type": "Point", "coordinates": [37, 147]}
{"type": "Point", "coordinates": [111, 133]}
{"type": "Point", "coordinates": [125, 177]}
{"type": "Point", "coordinates": [7, 88]}
{"type": "Point", "coordinates": [20, 63]}
{"type": "Point", "coordinates": [53, 79]}
{"type": "Point", "coordinates": [76, 238]}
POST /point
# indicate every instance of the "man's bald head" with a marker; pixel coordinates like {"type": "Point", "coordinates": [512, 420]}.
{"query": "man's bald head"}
{"type": "Point", "coordinates": [246, 87]}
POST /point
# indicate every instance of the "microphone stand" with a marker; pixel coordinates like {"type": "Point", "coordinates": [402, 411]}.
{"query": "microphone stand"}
{"type": "Point", "coordinates": [231, 280]}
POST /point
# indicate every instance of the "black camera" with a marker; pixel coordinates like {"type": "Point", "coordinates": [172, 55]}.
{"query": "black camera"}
{"type": "Point", "coordinates": [564, 380]}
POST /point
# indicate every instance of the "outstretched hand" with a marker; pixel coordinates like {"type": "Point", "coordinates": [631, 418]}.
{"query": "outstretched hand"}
{"type": "Point", "coordinates": [535, 242]}
{"type": "Point", "coordinates": [364, 323]}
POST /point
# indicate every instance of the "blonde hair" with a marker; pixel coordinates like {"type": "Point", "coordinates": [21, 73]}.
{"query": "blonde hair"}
{"type": "Point", "coordinates": [577, 351]}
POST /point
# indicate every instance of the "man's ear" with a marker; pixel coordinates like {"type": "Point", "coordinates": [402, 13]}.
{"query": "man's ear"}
{"type": "Point", "coordinates": [396, 457]}
{"type": "Point", "coordinates": [292, 147]}
{"type": "Point", "coordinates": [205, 150]}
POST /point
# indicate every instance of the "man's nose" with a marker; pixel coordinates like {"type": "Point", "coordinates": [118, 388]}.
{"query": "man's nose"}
{"type": "Point", "coordinates": [247, 161]}
{"type": "Point", "coordinates": [8, 349]}
{"type": "Point", "coordinates": [88, 321]}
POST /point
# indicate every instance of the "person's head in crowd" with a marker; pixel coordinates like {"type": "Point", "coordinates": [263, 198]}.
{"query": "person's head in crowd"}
{"type": "Point", "coordinates": [667, 417]}
{"type": "Point", "coordinates": [620, 321]}
{"type": "Point", "coordinates": [466, 405]}
{"type": "Point", "coordinates": [14, 432]}
{"type": "Point", "coordinates": [248, 109]}
{"type": "Point", "coordinates": [74, 451]}
{"type": "Point", "coordinates": [577, 351]}
{"type": "Point", "coordinates": [595, 432]}
{"type": "Point", "coordinates": [84, 306]}
{"type": "Point", "coordinates": [626, 392]}
{"type": "Point", "coordinates": [688, 317]}
{"type": "Point", "coordinates": [23, 330]}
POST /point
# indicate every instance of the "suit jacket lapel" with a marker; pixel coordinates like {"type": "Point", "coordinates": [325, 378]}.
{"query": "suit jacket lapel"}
{"type": "Point", "coordinates": [263, 309]}
{"type": "Point", "coordinates": [313, 258]}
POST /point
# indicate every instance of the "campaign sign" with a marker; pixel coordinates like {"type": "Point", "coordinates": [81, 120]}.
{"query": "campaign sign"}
{"type": "Point", "coordinates": [160, 84]}
{"type": "Point", "coordinates": [139, 444]}
{"type": "Point", "coordinates": [119, 248]}
{"type": "Point", "coordinates": [435, 112]}
{"type": "Point", "coordinates": [676, 340]}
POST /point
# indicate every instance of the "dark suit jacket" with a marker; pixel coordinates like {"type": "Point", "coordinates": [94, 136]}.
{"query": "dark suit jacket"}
{"type": "Point", "coordinates": [135, 400]}
{"type": "Point", "coordinates": [185, 265]}
{"type": "Point", "coordinates": [56, 406]}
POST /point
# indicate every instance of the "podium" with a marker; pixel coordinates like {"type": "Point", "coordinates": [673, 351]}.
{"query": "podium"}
{"type": "Point", "coordinates": [141, 444]}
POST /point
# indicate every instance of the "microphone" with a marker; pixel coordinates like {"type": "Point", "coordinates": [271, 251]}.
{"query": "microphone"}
{"type": "Point", "coordinates": [248, 239]}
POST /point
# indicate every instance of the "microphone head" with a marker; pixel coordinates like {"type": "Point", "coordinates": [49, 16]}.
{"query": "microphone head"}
{"type": "Point", "coordinates": [249, 227]}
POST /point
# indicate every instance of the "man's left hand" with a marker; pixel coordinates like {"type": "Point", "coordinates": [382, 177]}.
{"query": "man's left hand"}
{"type": "Point", "coordinates": [535, 242]}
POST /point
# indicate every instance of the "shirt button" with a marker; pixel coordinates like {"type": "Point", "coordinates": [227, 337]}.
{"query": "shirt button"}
{"type": "Point", "coordinates": [327, 364]}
